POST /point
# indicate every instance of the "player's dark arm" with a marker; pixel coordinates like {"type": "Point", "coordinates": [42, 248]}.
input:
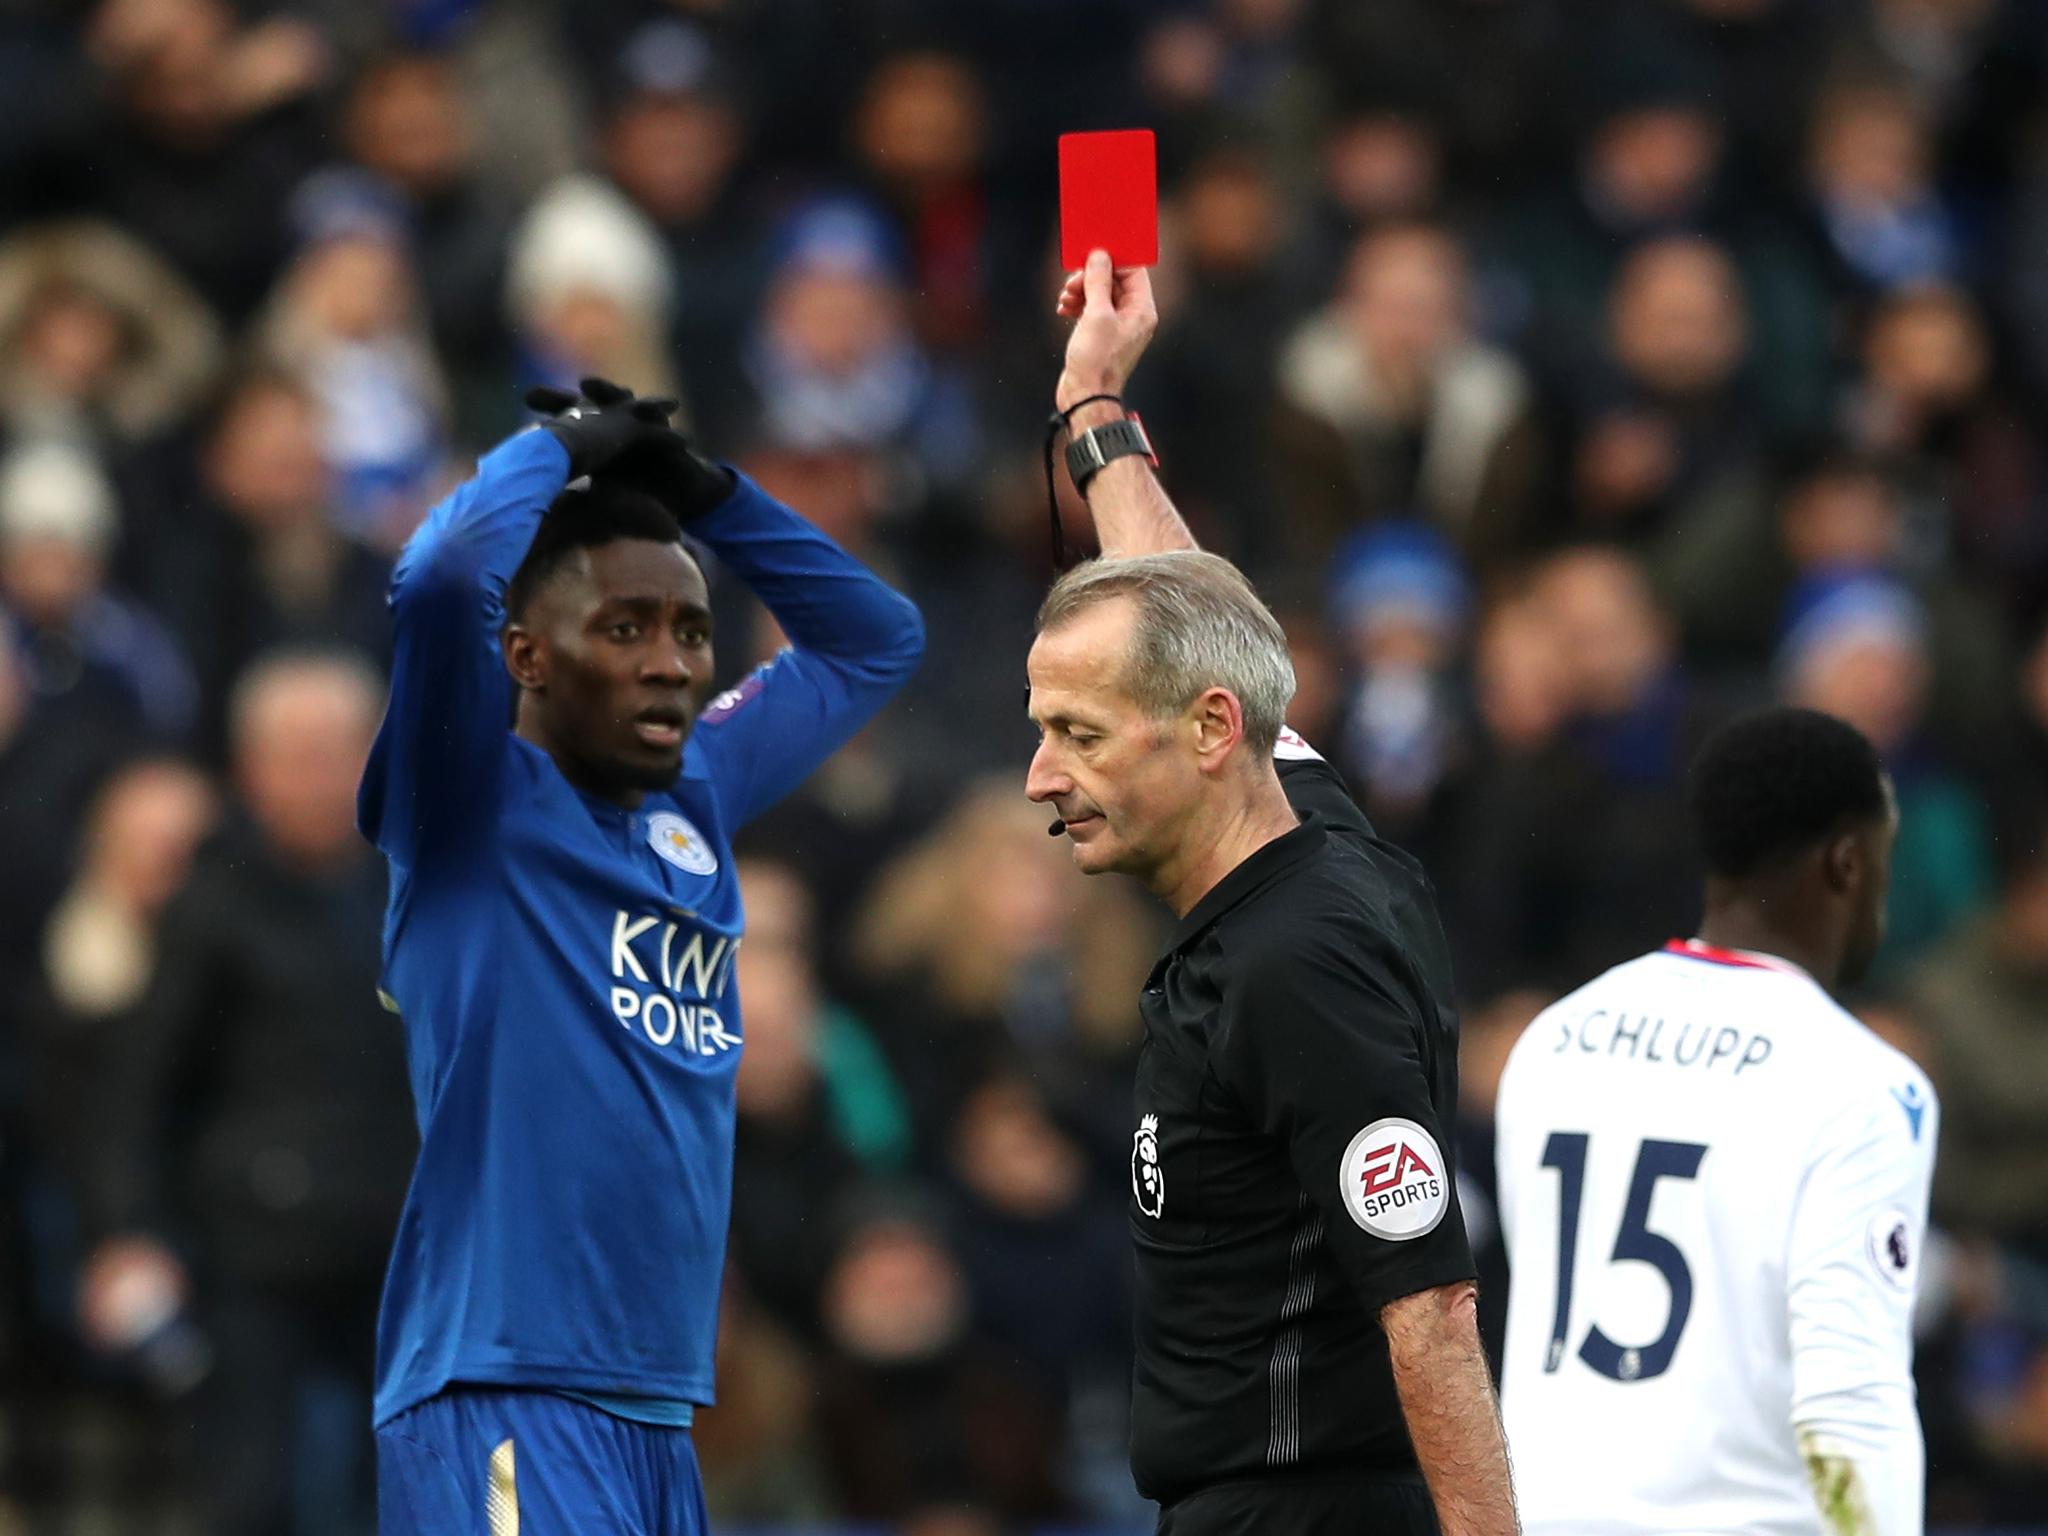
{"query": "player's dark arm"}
{"type": "Point", "coordinates": [853, 643]}
{"type": "Point", "coordinates": [829, 605]}
{"type": "Point", "coordinates": [1115, 317]}
{"type": "Point", "coordinates": [1448, 1400]}
{"type": "Point", "coordinates": [451, 700]}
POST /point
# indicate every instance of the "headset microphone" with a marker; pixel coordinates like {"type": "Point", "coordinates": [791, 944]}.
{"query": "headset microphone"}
{"type": "Point", "coordinates": [1056, 829]}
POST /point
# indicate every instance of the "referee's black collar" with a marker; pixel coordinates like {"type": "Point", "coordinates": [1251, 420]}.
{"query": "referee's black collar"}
{"type": "Point", "coordinates": [1265, 864]}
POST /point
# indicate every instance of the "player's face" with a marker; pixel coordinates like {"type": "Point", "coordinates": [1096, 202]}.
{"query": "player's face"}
{"type": "Point", "coordinates": [1125, 782]}
{"type": "Point", "coordinates": [620, 663]}
{"type": "Point", "coordinates": [1867, 924]}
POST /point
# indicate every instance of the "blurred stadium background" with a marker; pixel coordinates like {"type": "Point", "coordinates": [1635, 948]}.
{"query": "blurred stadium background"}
{"type": "Point", "coordinates": [1567, 372]}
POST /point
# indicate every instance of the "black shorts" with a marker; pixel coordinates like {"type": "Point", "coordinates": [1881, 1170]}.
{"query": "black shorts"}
{"type": "Point", "coordinates": [1350, 1506]}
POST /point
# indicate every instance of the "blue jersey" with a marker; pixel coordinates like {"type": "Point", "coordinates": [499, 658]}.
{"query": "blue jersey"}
{"type": "Point", "coordinates": [564, 965]}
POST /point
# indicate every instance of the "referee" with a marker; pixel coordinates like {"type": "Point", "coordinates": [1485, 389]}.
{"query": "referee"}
{"type": "Point", "coordinates": [1307, 1355]}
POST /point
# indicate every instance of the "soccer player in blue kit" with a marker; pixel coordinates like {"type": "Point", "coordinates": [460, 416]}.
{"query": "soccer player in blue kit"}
{"type": "Point", "coordinates": [560, 937]}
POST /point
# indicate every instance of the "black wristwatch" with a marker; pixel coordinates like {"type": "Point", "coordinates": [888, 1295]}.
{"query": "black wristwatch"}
{"type": "Point", "coordinates": [1090, 452]}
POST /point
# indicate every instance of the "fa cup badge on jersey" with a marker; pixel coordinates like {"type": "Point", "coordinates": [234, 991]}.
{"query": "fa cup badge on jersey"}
{"type": "Point", "coordinates": [1148, 1179]}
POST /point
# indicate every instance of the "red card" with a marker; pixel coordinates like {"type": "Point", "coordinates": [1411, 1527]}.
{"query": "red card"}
{"type": "Point", "coordinates": [1109, 198]}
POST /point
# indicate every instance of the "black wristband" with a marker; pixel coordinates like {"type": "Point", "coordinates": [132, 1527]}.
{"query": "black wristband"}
{"type": "Point", "coordinates": [1066, 417]}
{"type": "Point", "coordinates": [1095, 450]}
{"type": "Point", "coordinates": [1061, 421]}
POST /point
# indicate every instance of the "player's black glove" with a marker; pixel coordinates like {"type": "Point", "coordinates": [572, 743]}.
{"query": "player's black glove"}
{"type": "Point", "coordinates": [601, 423]}
{"type": "Point", "coordinates": [660, 464]}
{"type": "Point", "coordinates": [673, 473]}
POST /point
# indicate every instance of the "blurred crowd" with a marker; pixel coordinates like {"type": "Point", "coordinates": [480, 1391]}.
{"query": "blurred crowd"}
{"type": "Point", "coordinates": [1568, 373]}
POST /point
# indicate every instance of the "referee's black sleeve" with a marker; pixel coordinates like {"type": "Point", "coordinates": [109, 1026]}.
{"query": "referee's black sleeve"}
{"type": "Point", "coordinates": [1328, 1050]}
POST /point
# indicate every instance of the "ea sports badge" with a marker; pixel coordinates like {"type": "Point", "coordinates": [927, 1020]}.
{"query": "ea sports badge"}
{"type": "Point", "coordinates": [1394, 1181]}
{"type": "Point", "coordinates": [680, 844]}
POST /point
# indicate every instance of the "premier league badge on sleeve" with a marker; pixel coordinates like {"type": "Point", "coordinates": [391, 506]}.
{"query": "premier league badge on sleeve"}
{"type": "Point", "coordinates": [1889, 1241]}
{"type": "Point", "coordinates": [1148, 1179]}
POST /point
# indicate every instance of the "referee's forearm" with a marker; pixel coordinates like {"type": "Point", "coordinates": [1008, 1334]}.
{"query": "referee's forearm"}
{"type": "Point", "coordinates": [1448, 1401]}
{"type": "Point", "coordinates": [1133, 514]}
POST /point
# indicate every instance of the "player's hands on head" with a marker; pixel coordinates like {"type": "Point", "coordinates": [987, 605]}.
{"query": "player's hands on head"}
{"type": "Point", "coordinates": [601, 423]}
{"type": "Point", "coordinates": [632, 444]}
{"type": "Point", "coordinates": [673, 473]}
{"type": "Point", "coordinates": [1114, 319]}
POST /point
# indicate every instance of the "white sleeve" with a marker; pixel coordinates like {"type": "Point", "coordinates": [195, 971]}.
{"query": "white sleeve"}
{"type": "Point", "coordinates": [1858, 1227]}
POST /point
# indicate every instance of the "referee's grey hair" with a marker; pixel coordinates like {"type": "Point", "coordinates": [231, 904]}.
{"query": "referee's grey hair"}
{"type": "Point", "coordinates": [1198, 625]}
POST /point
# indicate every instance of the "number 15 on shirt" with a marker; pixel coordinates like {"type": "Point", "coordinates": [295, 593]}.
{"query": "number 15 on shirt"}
{"type": "Point", "coordinates": [1566, 1152]}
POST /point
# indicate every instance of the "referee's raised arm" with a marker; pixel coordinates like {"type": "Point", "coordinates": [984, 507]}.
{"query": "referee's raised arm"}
{"type": "Point", "coordinates": [1114, 318]}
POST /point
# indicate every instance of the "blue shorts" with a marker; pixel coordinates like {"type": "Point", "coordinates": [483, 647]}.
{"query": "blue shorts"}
{"type": "Point", "coordinates": [487, 1461]}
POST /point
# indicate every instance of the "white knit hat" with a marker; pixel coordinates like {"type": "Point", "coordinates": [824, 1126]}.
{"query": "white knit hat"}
{"type": "Point", "coordinates": [583, 235]}
{"type": "Point", "coordinates": [53, 490]}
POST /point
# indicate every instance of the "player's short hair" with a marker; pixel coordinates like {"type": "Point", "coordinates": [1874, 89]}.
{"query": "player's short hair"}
{"type": "Point", "coordinates": [1199, 625]}
{"type": "Point", "coordinates": [586, 518]}
{"type": "Point", "coordinates": [1774, 783]}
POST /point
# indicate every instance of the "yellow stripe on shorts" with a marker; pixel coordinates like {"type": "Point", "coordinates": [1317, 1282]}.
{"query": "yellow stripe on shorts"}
{"type": "Point", "coordinates": [501, 1503]}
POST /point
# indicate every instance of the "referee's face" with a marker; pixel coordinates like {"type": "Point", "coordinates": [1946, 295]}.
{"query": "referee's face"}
{"type": "Point", "coordinates": [1125, 782]}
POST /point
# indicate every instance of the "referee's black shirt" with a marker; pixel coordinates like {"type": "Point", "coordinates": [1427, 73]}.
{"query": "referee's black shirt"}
{"type": "Point", "coordinates": [1291, 1165]}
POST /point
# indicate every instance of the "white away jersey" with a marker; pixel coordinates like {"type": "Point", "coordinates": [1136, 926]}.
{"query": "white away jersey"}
{"type": "Point", "coordinates": [1713, 1183]}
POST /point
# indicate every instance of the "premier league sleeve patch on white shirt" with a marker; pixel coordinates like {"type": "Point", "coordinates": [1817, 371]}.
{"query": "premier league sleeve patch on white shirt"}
{"type": "Point", "coordinates": [1889, 1242]}
{"type": "Point", "coordinates": [1393, 1180]}
{"type": "Point", "coordinates": [681, 844]}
